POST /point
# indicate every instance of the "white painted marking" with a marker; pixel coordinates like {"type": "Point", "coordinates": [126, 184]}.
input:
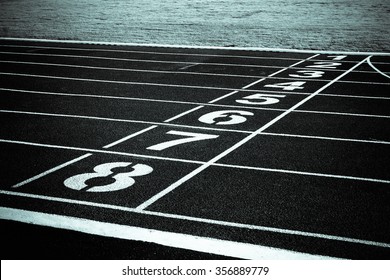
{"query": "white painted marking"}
{"type": "Point", "coordinates": [326, 138]}
{"type": "Point", "coordinates": [376, 69]}
{"type": "Point", "coordinates": [142, 60]}
{"type": "Point", "coordinates": [77, 159]}
{"type": "Point", "coordinates": [118, 82]}
{"type": "Point", "coordinates": [267, 99]}
{"type": "Point", "coordinates": [344, 114]}
{"type": "Point", "coordinates": [243, 88]}
{"type": "Point", "coordinates": [183, 114]}
{"type": "Point", "coordinates": [356, 96]}
{"type": "Point", "coordinates": [237, 145]}
{"type": "Point", "coordinates": [234, 117]}
{"type": "Point", "coordinates": [139, 99]}
{"type": "Point", "coordinates": [121, 180]}
{"type": "Point", "coordinates": [262, 79]}
{"type": "Point", "coordinates": [129, 137]}
{"type": "Point", "coordinates": [314, 174]}
{"type": "Point", "coordinates": [308, 74]}
{"type": "Point", "coordinates": [223, 55]}
{"type": "Point", "coordinates": [191, 46]}
{"type": "Point", "coordinates": [271, 229]}
{"type": "Point", "coordinates": [223, 97]}
{"type": "Point", "coordinates": [136, 69]}
{"type": "Point", "coordinates": [191, 103]}
{"type": "Point", "coordinates": [179, 54]}
{"type": "Point", "coordinates": [324, 65]}
{"type": "Point", "coordinates": [192, 73]}
{"type": "Point", "coordinates": [189, 66]}
{"type": "Point", "coordinates": [47, 172]}
{"type": "Point", "coordinates": [88, 150]}
{"type": "Point", "coordinates": [189, 137]}
{"type": "Point", "coordinates": [202, 162]}
{"type": "Point", "coordinates": [201, 220]}
{"type": "Point", "coordinates": [170, 239]}
{"type": "Point", "coordinates": [124, 120]}
{"type": "Point", "coordinates": [287, 86]}
{"type": "Point", "coordinates": [337, 57]}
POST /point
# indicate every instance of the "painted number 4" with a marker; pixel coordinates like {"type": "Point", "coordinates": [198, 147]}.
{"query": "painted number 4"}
{"type": "Point", "coordinates": [107, 170]}
{"type": "Point", "coordinates": [287, 86]}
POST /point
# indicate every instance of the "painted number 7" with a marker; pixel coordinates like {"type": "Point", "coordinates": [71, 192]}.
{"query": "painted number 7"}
{"type": "Point", "coordinates": [189, 137]}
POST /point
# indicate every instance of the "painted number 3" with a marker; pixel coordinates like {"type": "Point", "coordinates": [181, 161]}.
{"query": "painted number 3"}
{"type": "Point", "coordinates": [107, 170]}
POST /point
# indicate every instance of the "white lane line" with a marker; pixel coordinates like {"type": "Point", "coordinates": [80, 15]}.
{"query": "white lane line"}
{"type": "Point", "coordinates": [52, 146]}
{"type": "Point", "coordinates": [173, 53]}
{"type": "Point", "coordinates": [135, 69]}
{"type": "Point", "coordinates": [314, 174]}
{"type": "Point", "coordinates": [183, 114]}
{"type": "Point", "coordinates": [98, 151]}
{"type": "Point", "coordinates": [376, 69]}
{"type": "Point", "coordinates": [206, 128]}
{"type": "Point", "coordinates": [191, 46]}
{"type": "Point", "coordinates": [170, 239]}
{"type": "Point", "coordinates": [355, 96]}
{"type": "Point", "coordinates": [326, 138]}
{"type": "Point", "coordinates": [123, 120]}
{"type": "Point", "coordinates": [54, 169]}
{"type": "Point", "coordinates": [123, 82]}
{"type": "Point", "coordinates": [188, 66]}
{"type": "Point", "coordinates": [129, 137]}
{"type": "Point", "coordinates": [344, 114]}
{"type": "Point", "coordinates": [198, 170]}
{"type": "Point", "coordinates": [270, 229]}
{"type": "Point", "coordinates": [202, 220]}
{"type": "Point", "coordinates": [188, 73]}
{"type": "Point", "coordinates": [189, 102]}
{"type": "Point", "coordinates": [164, 62]}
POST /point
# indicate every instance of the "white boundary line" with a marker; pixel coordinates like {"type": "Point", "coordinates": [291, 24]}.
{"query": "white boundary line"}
{"type": "Point", "coordinates": [202, 220]}
{"type": "Point", "coordinates": [170, 239]}
{"type": "Point", "coordinates": [97, 151]}
{"type": "Point", "coordinates": [191, 47]}
{"type": "Point", "coordinates": [221, 55]}
{"type": "Point", "coordinates": [376, 69]}
{"type": "Point", "coordinates": [195, 172]}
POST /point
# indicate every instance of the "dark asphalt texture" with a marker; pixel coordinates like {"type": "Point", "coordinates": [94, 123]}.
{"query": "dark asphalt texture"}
{"type": "Point", "coordinates": [315, 181]}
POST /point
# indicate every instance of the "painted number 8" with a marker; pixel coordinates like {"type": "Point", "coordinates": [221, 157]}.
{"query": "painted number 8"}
{"type": "Point", "coordinates": [121, 180]}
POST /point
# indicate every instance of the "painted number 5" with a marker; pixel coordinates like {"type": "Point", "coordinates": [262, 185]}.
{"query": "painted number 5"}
{"type": "Point", "coordinates": [121, 180]}
{"type": "Point", "coordinates": [260, 99]}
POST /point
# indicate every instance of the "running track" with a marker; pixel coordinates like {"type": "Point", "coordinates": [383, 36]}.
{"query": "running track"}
{"type": "Point", "coordinates": [255, 154]}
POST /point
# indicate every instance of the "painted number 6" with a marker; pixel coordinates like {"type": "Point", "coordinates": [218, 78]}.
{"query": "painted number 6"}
{"type": "Point", "coordinates": [121, 180]}
{"type": "Point", "coordinates": [228, 117]}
